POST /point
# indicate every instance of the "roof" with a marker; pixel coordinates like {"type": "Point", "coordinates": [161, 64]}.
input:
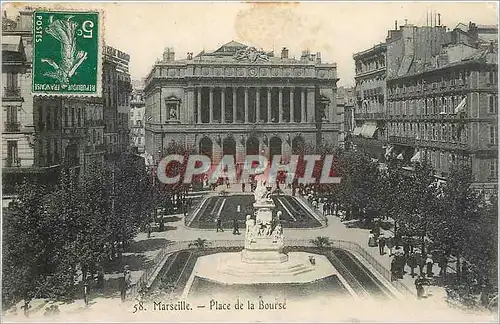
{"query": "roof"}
{"type": "Point", "coordinates": [454, 56]}
{"type": "Point", "coordinates": [487, 26]}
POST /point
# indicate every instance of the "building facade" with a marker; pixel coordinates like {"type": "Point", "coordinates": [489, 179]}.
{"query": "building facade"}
{"type": "Point", "coordinates": [24, 147]}
{"type": "Point", "coordinates": [448, 113]}
{"type": "Point", "coordinates": [137, 117]}
{"type": "Point", "coordinates": [238, 100]}
{"type": "Point", "coordinates": [117, 87]}
{"type": "Point", "coordinates": [345, 111]}
{"type": "Point", "coordinates": [369, 133]}
{"type": "Point", "coordinates": [43, 135]}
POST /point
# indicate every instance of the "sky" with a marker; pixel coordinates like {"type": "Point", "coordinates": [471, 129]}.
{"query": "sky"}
{"type": "Point", "coordinates": [336, 29]}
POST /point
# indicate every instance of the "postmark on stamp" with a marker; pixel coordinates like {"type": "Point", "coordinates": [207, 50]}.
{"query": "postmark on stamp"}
{"type": "Point", "coordinates": [67, 48]}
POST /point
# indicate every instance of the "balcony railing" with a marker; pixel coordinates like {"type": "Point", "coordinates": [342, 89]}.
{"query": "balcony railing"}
{"type": "Point", "coordinates": [402, 140]}
{"type": "Point", "coordinates": [12, 162]}
{"type": "Point", "coordinates": [12, 126]}
{"type": "Point", "coordinates": [12, 92]}
{"type": "Point", "coordinates": [94, 123]}
{"type": "Point", "coordinates": [361, 116]}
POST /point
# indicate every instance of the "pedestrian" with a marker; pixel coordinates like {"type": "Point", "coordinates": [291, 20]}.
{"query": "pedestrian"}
{"type": "Point", "coordinates": [412, 263]}
{"type": "Point", "coordinates": [372, 242]}
{"type": "Point", "coordinates": [390, 245]}
{"type": "Point", "coordinates": [236, 230]}
{"type": "Point", "coordinates": [429, 263]}
{"type": "Point", "coordinates": [406, 246]}
{"type": "Point", "coordinates": [420, 262]}
{"type": "Point", "coordinates": [100, 278]}
{"type": "Point", "coordinates": [86, 293]}
{"type": "Point", "coordinates": [242, 187]}
{"type": "Point", "coordinates": [381, 244]}
{"type": "Point", "coordinates": [123, 288]}
{"type": "Point", "coordinates": [325, 209]}
{"type": "Point", "coordinates": [393, 269]}
{"type": "Point", "coordinates": [219, 224]}
{"type": "Point", "coordinates": [443, 264]}
{"type": "Point", "coordinates": [148, 228]}
{"type": "Point", "coordinates": [227, 183]}
{"type": "Point", "coordinates": [419, 285]}
{"type": "Point", "coordinates": [127, 275]}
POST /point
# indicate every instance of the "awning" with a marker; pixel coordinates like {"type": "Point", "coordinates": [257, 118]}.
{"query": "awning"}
{"type": "Point", "coordinates": [415, 158]}
{"type": "Point", "coordinates": [461, 106]}
{"type": "Point", "coordinates": [11, 43]}
{"type": "Point", "coordinates": [368, 130]}
{"type": "Point", "coordinates": [357, 131]}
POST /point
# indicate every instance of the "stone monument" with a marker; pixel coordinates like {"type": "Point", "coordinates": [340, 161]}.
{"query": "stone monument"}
{"type": "Point", "coordinates": [262, 259]}
{"type": "Point", "coordinates": [264, 234]}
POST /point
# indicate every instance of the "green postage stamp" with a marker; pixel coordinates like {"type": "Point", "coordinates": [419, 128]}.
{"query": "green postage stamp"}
{"type": "Point", "coordinates": [67, 48]}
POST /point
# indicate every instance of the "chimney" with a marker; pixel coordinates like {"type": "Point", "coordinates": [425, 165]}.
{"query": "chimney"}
{"type": "Point", "coordinates": [318, 57]}
{"type": "Point", "coordinates": [304, 56]}
{"type": "Point", "coordinates": [284, 53]}
{"type": "Point", "coordinates": [25, 19]}
{"type": "Point", "coordinates": [395, 25]}
{"type": "Point", "coordinates": [439, 19]}
{"type": "Point", "coordinates": [189, 56]}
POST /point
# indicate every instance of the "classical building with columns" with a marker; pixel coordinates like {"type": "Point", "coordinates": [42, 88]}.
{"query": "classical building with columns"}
{"type": "Point", "coordinates": [238, 100]}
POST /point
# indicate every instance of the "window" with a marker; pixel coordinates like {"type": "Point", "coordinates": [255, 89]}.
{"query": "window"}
{"type": "Point", "coordinates": [11, 114]}
{"type": "Point", "coordinates": [492, 77]}
{"type": "Point", "coordinates": [11, 81]}
{"type": "Point", "coordinates": [12, 153]}
{"type": "Point", "coordinates": [49, 119]}
{"type": "Point", "coordinates": [492, 104]}
{"type": "Point", "coordinates": [57, 158]}
{"type": "Point", "coordinates": [493, 135]}
{"type": "Point", "coordinates": [41, 124]}
{"type": "Point", "coordinates": [493, 169]}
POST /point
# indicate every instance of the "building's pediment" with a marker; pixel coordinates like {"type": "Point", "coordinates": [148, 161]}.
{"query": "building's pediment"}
{"type": "Point", "coordinates": [231, 47]}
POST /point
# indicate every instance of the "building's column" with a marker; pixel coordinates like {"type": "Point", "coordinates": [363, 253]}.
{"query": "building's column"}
{"type": "Point", "coordinates": [292, 117]}
{"type": "Point", "coordinates": [280, 105]}
{"type": "Point", "coordinates": [223, 105]}
{"type": "Point", "coordinates": [211, 104]}
{"type": "Point", "coordinates": [310, 105]}
{"type": "Point", "coordinates": [269, 117]}
{"type": "Point", "coordinates": [198, 91]}
{"type": "Point", "coordinates": [257, 105]}
{"type": "Point", "coordinates": [246, 104]}
{"type": "Point", "coordinates": [302, 105]}
{"type": "Point", "coordinates": [190, 106]}
{"type": "Point", "coordinates": [234, 105]}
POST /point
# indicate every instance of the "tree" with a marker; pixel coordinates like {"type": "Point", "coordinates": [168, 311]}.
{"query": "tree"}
{"type": "Point", "coordinates": [460, 207]}
{"type": "Point", "coordinates": [321, 242]}
{"type": "Point", "coordinates": [482, 248]}
{"type": "Point", "coordinates": [199, 243]}
{"type": "Point", "coordinates": [36, 259]}
{"type": "Point", "coordinates": [392, 193]}
{"type": "Point", "coordinates": [360, 180]}
{"type": "Point", "coordinates": [422, 200]}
